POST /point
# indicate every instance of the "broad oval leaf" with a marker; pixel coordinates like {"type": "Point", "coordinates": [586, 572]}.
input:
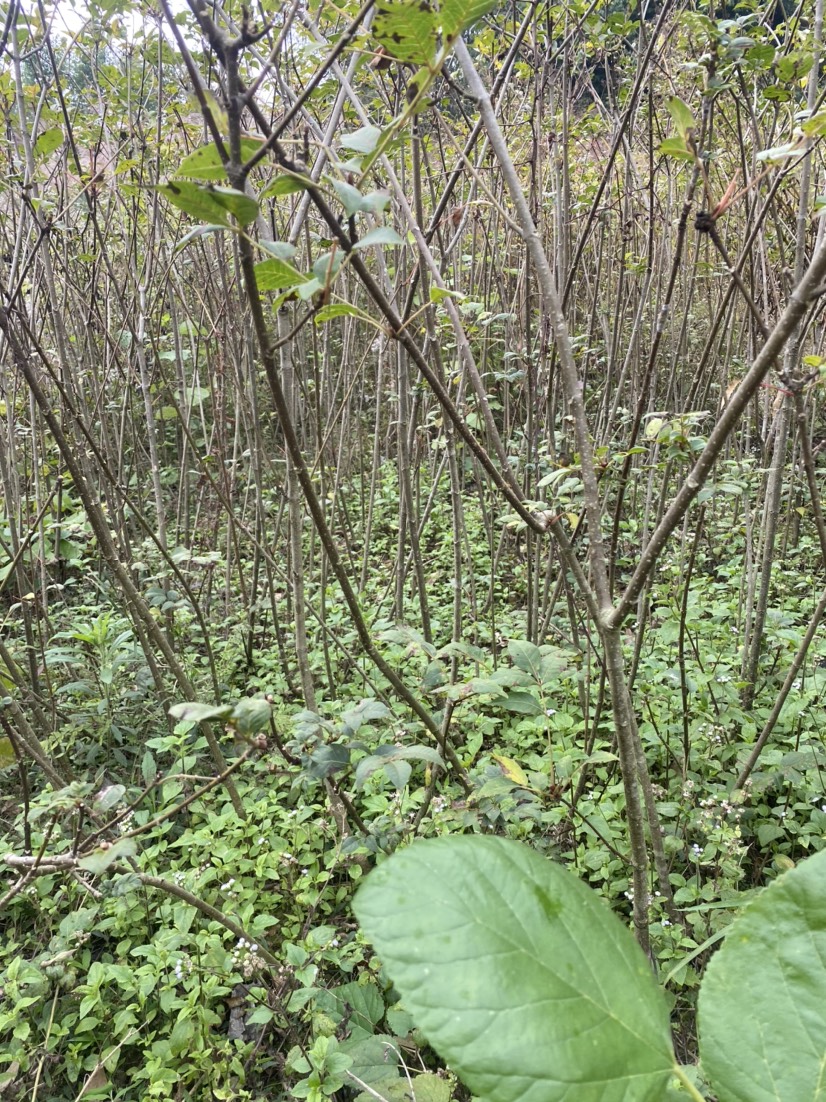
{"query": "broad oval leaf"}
{"type": "Point", "coordinates": [251, 715]}
{"type": "Point", "coordinates": [364, 140]}
{"type": "Point", "coordinates": [676, 147]}
{"type": "Point", "coordinates": [385, 755]}
{"type": "Point", "coordinates": [198, 231]}
{"type": "Point", "coordinates": [194, 200]}
{"type": "Point", "coordinates": [274, 275]}
{"type": "Point", "coordinates": [281, 250]}
{"type": "Point", "coordinates": [194, 711]}
{"type": "Point", "coordinates": [208, 203]}
{"type": "Point", "coordinates": [381, 235]}
{"type": "Point", "coordinates": [242, 206]}
{"type": "Point", "coordinates": [310, 287]}
{"type": "Point", "coordinates": [522, 702]}
{"type": "Point", "coordinates": [205, 162]}
{"type": "Point", "coordinates": [512, 770]}
{"type": "Point", "coordinates": [99, 860]}
{"type": "Point", "coordinates": [762, 1007]}
{"type": "Point", "coordinates": [326, 266]}
{"type": "Point", "coordinates": [681, 114]}
{"type": "Point", "coordinates": [340, 310]}
{"type": "Point", "coordinates": [519, 976]}
{"type": "Point", "coordinates": [456, 15]}
{"type": "Point", "coordinates": [351, 198]}
{"type": "Point", "coordinates": [544, 664]}
{"type": "Point", "coordinates": [285, 185]}
{"type": "Point", "coordinates": [327, 760]}
{"type": "Point", "coordinates": [364, 712]}
{"type": "Point", "coordinates": [407, 30]}
{"type": "Point", "coordinates": [48, 142]}
{"type": "Point", "coordinates": [109, 797]}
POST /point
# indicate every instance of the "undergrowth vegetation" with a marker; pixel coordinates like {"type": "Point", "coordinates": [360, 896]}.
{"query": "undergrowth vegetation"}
{"type": "Point", "coordinates": [150, 984]}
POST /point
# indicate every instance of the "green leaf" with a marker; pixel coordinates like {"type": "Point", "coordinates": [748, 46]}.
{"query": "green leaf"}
{"type": "Point", "coordinates": [681, 114]}
{"type": "Point", "coordinates": [7, 756]}
{"type": "Point", "coordinates": [431, 1088]}
{"type": "Point", "coordinates": [48, 142]}
{"type": "Point", "coordinates": [199, 231]}
{"type": "Point", "coordinates": [351, 198]}
{"type": "Point", "coordinates": [328, 760]}
{"type": "Point", "coordinates": [519, 976]}
{"type": "Point", "coordinates": [241, 206]}
{"type": "Point", "coordinates": [522, 702]}
{"type": "Point", "coordinates": [815, 125]}
{"type": "Point", "coordinates": [205, 162]}
{"type": "Point", "coordinates": [339, 310]}
{"type": "Point", "coordinates": [407, 30]}
{"type": "Point", "coordinates": [525, 656]}
{"type": "Point", "coordinates": [780, 152]}
{"type": "Point", "coordinates": [100, 859]}
{"type": "Point", "coordinates": [434, 677]}
{"type": "Point", "coordinates": [479, 686]}
{"type": "Point", "coordinates": [382, 235]}
{"type": "Point", "coordinates": [108, 797]}
{"type": "Point", "coordinates": [761, 56]}
{"type": "Point", "coordinates": [676, 147]}
{"type": "Point", "coordinates": [216, 109]}
{"type": "Point", "coordinates": [307, 289]}
{"type": "Point", "coordinates": [364, 712]}
{"type": "Point", "coordinates": [387, 756]}
{"type": "Point", "coordinates": [361, 1002]}
{"type": "Point", "coordinates": [274, 275]}
{"type": "Point", "coordinates": [364, 140]}
{"type": "Point", "coordinates": [284, 185]}
{"type": "Point", "coordinates": [282, 250]}
{"type": "Point", "coordinates": [149, 768]}
{"type": "Point", "coordinates": [194, 711]}
{"type": "Point", "coordinates": [353, 201]}
{"type": "Point", "coordinates": [399, 1020]}
{"type": "Point", "coordinates": [208, 203]}
{"type": "Point", "coordinates": [439, 294]}
{"type": "Point", "coordinates": [195, 201]}
{"type": "Point", "coordinates": [262, 1015]}
{"type": "Point", "coordinates": [456, 15]}
{"type": "Point", "coordinates": [375, 201]}
{"type": "Point", "coordinates": [326, 266]}
{"type": "Point", "coordinates": [427, 1087]}
{"type": "Point", "coordinates": [374, 1061]}
{"type": "Point", "coordinates": [251, 715]}
{"type": "Point", "coordinates": [762, 1007]}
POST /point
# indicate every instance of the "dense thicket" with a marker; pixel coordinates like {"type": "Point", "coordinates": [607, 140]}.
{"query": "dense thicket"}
{"type": "Point", "coordinates": [410, 423]}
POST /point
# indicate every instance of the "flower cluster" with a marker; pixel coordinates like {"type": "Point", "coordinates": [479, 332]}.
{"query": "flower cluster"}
{"type": "Point", "coordinates": [183, 967]}
{"type": "Point", "coordinates": [246, 959]}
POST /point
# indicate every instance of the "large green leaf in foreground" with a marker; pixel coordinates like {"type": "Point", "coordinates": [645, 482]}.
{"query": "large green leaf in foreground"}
{"type": "Point", "coordinates": [762, 1009]}
{"type": "Point", "coordinates": [518, 974]}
